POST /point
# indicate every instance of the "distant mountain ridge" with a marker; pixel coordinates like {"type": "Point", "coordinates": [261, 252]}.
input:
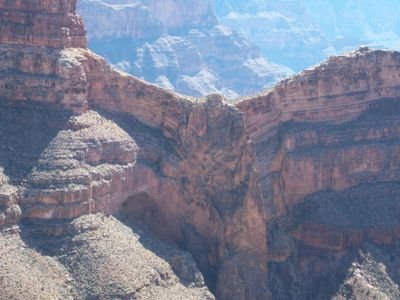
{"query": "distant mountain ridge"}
{"type": "Point", "coordinates": [302, 33]}
{"type": "Point", "coordinates": [178, 45]}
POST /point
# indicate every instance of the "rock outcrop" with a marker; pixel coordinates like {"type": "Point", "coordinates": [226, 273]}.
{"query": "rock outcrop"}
{"type": "Point", "coordinates": [350, 101]}
{"type": "Point", "coordinates": [80, 138]}
{"type": "Point", "coordinates": [96, 257]}
{"type": "Point", "coordinates": [293, 191]}
{"type": "Point", "coordinates": [51, 24]}
{"type": "Point", "coordinates": [178, 45]}
{"type": "Point", "coordinates": [326, 147]}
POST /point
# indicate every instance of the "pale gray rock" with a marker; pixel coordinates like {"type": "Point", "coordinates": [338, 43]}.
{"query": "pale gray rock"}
{"type": "Point", "coordinates": [305, 32]}
{"type": "Point", "coordinates": [178, 45]}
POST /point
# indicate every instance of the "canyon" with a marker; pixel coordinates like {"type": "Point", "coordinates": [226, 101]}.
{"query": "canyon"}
{"type": "Point", "coordinates": [80, 138]}
{"type": "Point", "coordinates": [326, 146]}
{"type": "Point", "coordinates": [113, 188]}
{"type": "Point", "coordinates": [303, 33]}
{"type": "Point", "coordinates": [178, 45]}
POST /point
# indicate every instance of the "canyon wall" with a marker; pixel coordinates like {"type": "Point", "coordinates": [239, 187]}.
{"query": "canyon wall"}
{"type": "Point", "coordinates": [80, 138]}
{"type": "Point", "coordinates": [326, 146]}
{"type": "Point", "coordinates": [295, 187]}
{"type": "Point", "coordinates": [47, 23]}
{"type": "Point", "coordinates": [320, 109]}
{"type": "Point", "coordinates": [177, 14]}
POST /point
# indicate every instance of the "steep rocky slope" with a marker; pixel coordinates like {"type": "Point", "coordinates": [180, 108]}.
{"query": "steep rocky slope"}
{"type": "Point", "coordinates": [327, 152]}
{"type": "Point", "coordinates": [112, 188]}
{"type": "Point", "coordinates": [178, 45]}
{"type": "Point", "coordinates": [96, 257]}
{"type": "Point", "coordinates": [78, 137]}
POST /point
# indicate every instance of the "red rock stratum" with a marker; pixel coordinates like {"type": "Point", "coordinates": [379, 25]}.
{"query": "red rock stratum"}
{"type": "Point", "coordinates": [327, 144]}
{"type": "Point", "coordinates": [314, 160]}
{"type": "Point", "coordinates": [79, 137]}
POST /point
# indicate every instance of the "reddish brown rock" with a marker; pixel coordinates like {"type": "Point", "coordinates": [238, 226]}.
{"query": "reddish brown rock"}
{"type": "Point", "coordinates": [327, 143]}
{"type": "Point", "coordinates": [45, 23]}
{"type": "Point", "coordinates": [343, 145]}
{"type": "Point", "coordinates": [184, 167]}
{"type": "Point", "coordinates": [33, 64]}
{"type": "Point", "coordinates": [79, 137]}
{"type": "Point", "coordinates": [329, 238]}
{"type": "Point", "coordinates": [338, 91]}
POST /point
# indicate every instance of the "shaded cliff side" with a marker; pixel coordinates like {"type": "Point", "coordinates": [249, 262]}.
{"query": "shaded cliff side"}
{"type": "Point", "coordinates": [326, 146]}
{"type": "Point", "coordinates": [80, 138]}
{"type": "Point", "coordinates": [114, 188]}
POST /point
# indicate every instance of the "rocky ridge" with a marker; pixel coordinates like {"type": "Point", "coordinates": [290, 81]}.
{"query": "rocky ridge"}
{"type": "Point", "coordinates": [79, 137]}
{"type": "Point", "coordinates": [89, 260]}
{"type": "Point", "coordinates": [345, 90]}
{"type": "Point", "coordinates": [81, 141]}
{"type": "Point", "coordinates": [178, 45]}
{"type": "Point", "coordinates": [326, 143]}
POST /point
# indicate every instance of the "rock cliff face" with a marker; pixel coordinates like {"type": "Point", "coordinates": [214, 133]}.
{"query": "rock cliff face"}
{"type": "Point", "coordinates": [78, 138]}
{"type": "Point", "coordinates": [178, 45]}
{"type": "Point", "coordinates": [334, 104]}
{"type": "Point", "coordinates": [46, 23]}
{"type": "Point", "coordinates": [103, 177]}
{"type": "Point", "coordinates": [326, 146]}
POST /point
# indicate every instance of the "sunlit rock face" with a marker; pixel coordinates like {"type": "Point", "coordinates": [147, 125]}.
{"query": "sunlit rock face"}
{"type": "Point", "coordinates": [114, 188]}
{"type": "Point", "coordinates": [79, 138]}
{"type": "Point", "coordinates": [326, 146]}
{"type": "Point", "coordinates": [178, 45]}
{"type": "Point", "coordinates": [42, 23]}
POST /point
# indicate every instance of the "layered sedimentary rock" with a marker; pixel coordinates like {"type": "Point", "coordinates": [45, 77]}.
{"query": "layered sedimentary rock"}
{"type": "Point", "coordinates": [78, 138]}
{"type": "Point", "coordinates": [10, 212]}
{"type": "Point", "coordinates": [327, 143]}
{"type": "Point", "coordinates": [349, 101]}
{"type": "Point", "coordinates": [46, 23]}
{"type": "Point", "coordinates": [81, 141]}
